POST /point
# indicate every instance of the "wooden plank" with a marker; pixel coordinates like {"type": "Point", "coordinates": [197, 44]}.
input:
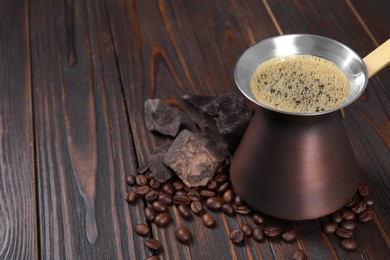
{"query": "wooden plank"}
{"type": "Point", "coordinates": [17, 194]}
{"type": "Point", "coordinates": [84, 147]}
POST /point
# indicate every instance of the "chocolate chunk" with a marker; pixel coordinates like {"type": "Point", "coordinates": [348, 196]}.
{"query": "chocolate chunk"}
{"type": "Point", "coordinates": [157, 168]}
{"type": "Point", "coordinates": [194, 158]}
{"type": "Point", "coordinates": [162, 118]}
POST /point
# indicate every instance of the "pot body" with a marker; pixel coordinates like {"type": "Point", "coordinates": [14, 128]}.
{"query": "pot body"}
{"type": "Point", "coordinates": [295, 167]}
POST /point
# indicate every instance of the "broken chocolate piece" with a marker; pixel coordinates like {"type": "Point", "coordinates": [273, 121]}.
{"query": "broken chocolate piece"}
{"type": "Point", "coordinates": [194, 159]}
{"type": "Point", "coordinates": [157, 168]}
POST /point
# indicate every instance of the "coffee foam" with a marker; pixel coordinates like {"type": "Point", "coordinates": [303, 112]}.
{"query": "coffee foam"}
{"type": "Point", "coordinates": [299, 83]}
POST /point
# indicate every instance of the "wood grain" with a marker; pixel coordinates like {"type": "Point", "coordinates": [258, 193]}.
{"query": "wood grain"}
{"type": "Point", "coordinates": [17, 204]}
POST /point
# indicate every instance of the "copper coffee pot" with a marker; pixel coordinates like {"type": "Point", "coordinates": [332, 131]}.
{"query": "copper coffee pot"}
{"type": "Point", "coordinates": [299, 166]}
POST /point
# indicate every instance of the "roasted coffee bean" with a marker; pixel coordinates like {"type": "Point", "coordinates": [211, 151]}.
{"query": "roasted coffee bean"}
{"type": "Point", "coordinates": [348, 244]}
{"type": "Point", "coordinates": [166, 198]}
{"type": "Point", "coordinates": [363, 190]}
{"type": "Point", "coordinates": [162, 219]}
{"type": "Point", "coordinates": [238, 200]}
{"type": "Point", "coordinates": [336, 217]}
{"type": "Point", "coordinates": [223, 187]}
{"type": "Point", "coordinates": [243, 209]}
{"type": "Point", "coordinates": [207, 193]}
{"type": "Point", "coordinates": [365, 216]}
{"type": "Point", "coordinates": [208, 220]}
{"type": "Point", "coordinates": [228, 196]}
{"type": "Point", "coordinates": [154, 184]}
{"type": "Point", "coordinates": [351, 202]}
{"type": "Point", "coordinates": [151, 196]}
{"type": "Point", "coordinates": [153, 244]}
{"type": "Point", "coordinates": [214, 203]}
{"type": "Point", "coordinates": [360, 207]}
{"type": "Point", "coordinates": [141, 180]}
{"type": "Point", "coordinates": [344, 233]}
{"type": "Point", "coordinates": [193, 195]}
{"type": "Point", "coordinates": [196, 207]}
{"type": "Point", "coordinates": [212, 185]}
{"type": "Point", "coordinates": [258, 234]}
{"type": "Point", "coordinates": [181, 200]}
{"type": "Point", "coordinates": [348, 215]}
{"type": "Point", "coordinates": [247, 229]}
{"type": "Point", "coordinates": [149, 213]}
{"type": "Point", "coordinates": [289, 236]}
{"type": "Point", "coordinates": [131, 196]}
{"type": "Point", "coordinates": [272, 232]}
{"type": "Point", "coordinates": [329, 228]}
{"type": "Point", "coordinates": [152, 257]}
{"type": "Point", "coordinates": [228, 209]}
{"type": "Point", "coordinates": [181, 193]}
{"type": "Point", "coordinates": [369, 201]}
{"type": "Point", "coordinates": [142, 229]}
{"type": "Point", "coordinates": [178, 185]}
{"type": "Point", "coordinates": [130, 180]}
{"type": "Point", "coordinates": [221, 178]}
{"type": "Point", "coordinates": [187, 189]}
{"type": "Point", "coordinates": [299, 254]}
{"type": "Point", "coordinates": [237, 236]}
{"type": "Point", "coordinates": [184, 211]}
{"type": "Point", "coordinates": [142, 190]}
{"type": "Point", "coordinates": [258, 219]}
{"type": "Point", "coordinates": [144, 169]}
{"type": "Point", "coordinates": [168, 188]}
{"type": "Point", "coordinates": [222, 169]}
{"type": "Point", "coordinates": [159, 206]}
{"type": "Point", "coordinates": [348, 224]}
{"type": "Point", "coordinates": [183, 235]}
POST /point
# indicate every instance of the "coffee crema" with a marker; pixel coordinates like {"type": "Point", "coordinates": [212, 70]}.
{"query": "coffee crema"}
{"type": "Point", "coordinates": [299, 83]}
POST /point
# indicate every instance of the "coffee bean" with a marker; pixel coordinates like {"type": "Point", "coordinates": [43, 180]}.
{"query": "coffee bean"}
{"type": "Point", "coordinates": [143, 169]}
{"type": "Point", "coordinates": [142, 229]}
{"type": "Point", "coordinates": [289, 236]}
{"type": "Point", "coordinates": [181, 193]}
{"type": "Point", "coordinates": [221, 178]}
{"type": "Point", "coordinates": [351, 202]}
{"type": "Point", "coordinates": [348, 244]}
{"type": "Point", "coordinates": [243, 209]}
{"type": "Point", "coordinates": [207, 193]}
{"type": "Point", "coordinates": [159, 206]}
{"type": "Point", "coordinates": [142, 190]}
{"type": "Point", "coordinates": [348, 224]}
{"type": "Point", "coordinates": [178, 185]}
{"type": "Point", "coordinates": [193, 195]}
{"type": "Point", "coordinates": [154, 184]}
{"type": "Point", "coordinates": [153, 244]}
{"type": "Point", "coordinates": [348, 215]}
{"type": "Point", "coordinates": [369, 201]}
{"type": "Point", "coordinates": [299, 254]}
{"type": "Point", "coordinates": [360, 207]}
{"type": "Point", "coordinates": [247, 229]}
{"type": "Point", "coordinates": [258, 219]}
{"type": "Point", "coordinates": [181, 200]}
{"type": "Point", "coordinates": [238, 200]}
{"type": "Point", "coordinates": [258, 234]}
{"type": "Point", "coordinates": [228, 196]}
{"type": "Point", "coordinates": [344, 233]}
{"type": "Point", "coordinates": [336, 217]}
{"type": "Point", "coordinates": [221, 170]}
{"type": "Point", "coordinates": [187, 189]}
{"type": "Point", "coordinates": [141, 180]}
{"type": "Point", "coordinates": [214, 203]}
{"type": "Point", "coordinates": [166, 198]}
{"type": "Point", "coordinates": [183, 235]}
{"type": "Point", "coordinates": [131, 196]}
{"type": "Point", "coordinates": [223, 187]}
{"type": "Point", "coordinates": [168, 188]}
{"type": "Point", "coordinates": [196, 207]}
{"type": "Point", "coordinates": [329, 228]}
{"type": "Point", "coordinates": [212, 185]}
{"type": "Point", "coordinates": [208, 220]}
{"type": "Point", "coordinates": [152, 257]}
{"type": "Point", "coordinates": [151, 196]}
{"type": "Point", "coordinates": [237, 236]}
{"type": "Point", "coordinates": [184, 211]}
{"type": "Point", "coordinates": [365, 216]}
{"type": "Point", "coordinates": [363, 190]}
{"type": "Point", "coordinates": [162, 219]}
{"type": "Point", "coordinates": [272, 232]}
{"type": "Point", "coordinates": [149, 213]}
{"type": "Point", "coordinates": [130, 180]}
{"type": "Point", "coordinates": [228, 209]}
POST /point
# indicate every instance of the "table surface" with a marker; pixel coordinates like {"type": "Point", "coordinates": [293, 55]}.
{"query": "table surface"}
{"type": "Point", "coordinates": [74, 76]}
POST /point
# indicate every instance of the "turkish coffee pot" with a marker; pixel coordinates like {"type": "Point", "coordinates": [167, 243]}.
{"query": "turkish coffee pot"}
{"type": "Point", "coordinates": [295, 165]}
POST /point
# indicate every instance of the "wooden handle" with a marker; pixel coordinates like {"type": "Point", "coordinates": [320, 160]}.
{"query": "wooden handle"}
{"type": "Point", "coordinates": [378, 59]}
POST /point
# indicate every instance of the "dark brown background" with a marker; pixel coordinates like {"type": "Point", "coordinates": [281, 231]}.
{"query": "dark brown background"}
{"type": "Point", "coordinates": [73, 79]}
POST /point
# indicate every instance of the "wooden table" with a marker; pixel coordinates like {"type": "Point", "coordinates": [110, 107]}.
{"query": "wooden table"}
{"type": "Point", "coordinates": [74, 76]}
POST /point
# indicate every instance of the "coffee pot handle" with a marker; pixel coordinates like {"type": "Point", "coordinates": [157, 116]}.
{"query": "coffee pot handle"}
{"type": "Point", "coordinates": [378, 58]}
